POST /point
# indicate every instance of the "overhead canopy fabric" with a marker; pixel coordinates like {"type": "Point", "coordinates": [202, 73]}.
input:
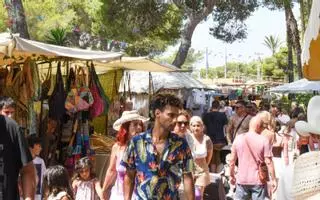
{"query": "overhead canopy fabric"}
{"type": "Point", "coordinates": [300, 86]}
{"type": "Point", "coordinates": [139, 81]}
{"type": "Point", "coordinates": [311, 47]}
{"type": "Point", "coordinates": [13, 45]}
{"type": "Point", "coordinates": [139, 63]}
{"type": "Point", "coordinates": [19, 47]}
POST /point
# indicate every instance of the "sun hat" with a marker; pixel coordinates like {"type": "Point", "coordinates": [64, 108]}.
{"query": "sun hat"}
{"type": "Point", "coordinates": [313, 117]}
{"type": "Point", "coordinates": [306, 176]}
{"type": "Point", "coordinates": [128, 116]}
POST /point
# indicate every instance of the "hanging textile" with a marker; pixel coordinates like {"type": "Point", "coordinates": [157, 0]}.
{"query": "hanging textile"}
{"type": "Point", "coordinates": [58, 97]}
{"type": "Point", "coordinates": [35, 80]}
{"type": "Point", "coordinates": [46, 84]}
{"type": "Point", "coordinates": [101, 101]}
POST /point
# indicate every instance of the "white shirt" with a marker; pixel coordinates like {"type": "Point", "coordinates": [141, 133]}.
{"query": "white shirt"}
{"type": "Point", "coordinates": [40, 169]}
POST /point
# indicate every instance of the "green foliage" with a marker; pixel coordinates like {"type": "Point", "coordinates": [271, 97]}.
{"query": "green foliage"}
{"type": "Point", "coordinates": [57, 36]}
{"type": "Point", "coordinates": [229, 17]}
{"type": "Point", "coordinates": [272, 42]}
{"type": "Point", "coordinates": [148, 27]}
{"type": "Point", "coordinates": [303, 98]}
{"type": "Point", "coordinates": [272, 67]}
{"type": "Point", "coordinates": [192, 58]}
{"type": "Point", "coordinates": [3, 17]}
{"type": "Point", "coordinates": [45, 15]}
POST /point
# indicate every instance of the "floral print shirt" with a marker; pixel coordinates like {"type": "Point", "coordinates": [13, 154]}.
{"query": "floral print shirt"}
{"type": "Point", "coordinates": [158, 180]}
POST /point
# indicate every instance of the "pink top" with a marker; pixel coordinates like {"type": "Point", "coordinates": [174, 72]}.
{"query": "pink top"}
{"type": "Point", "coordinates": [248, 168]}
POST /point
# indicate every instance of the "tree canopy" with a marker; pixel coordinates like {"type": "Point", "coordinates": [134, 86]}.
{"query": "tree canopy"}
{"type": "Point", "coordinates": [273, 67]}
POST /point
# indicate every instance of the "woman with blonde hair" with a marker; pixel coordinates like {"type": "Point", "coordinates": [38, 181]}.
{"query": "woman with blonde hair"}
{"type": "Point", "coordinates": [201, 148]}
{"type": "Point", "coordinates": [269, 126]}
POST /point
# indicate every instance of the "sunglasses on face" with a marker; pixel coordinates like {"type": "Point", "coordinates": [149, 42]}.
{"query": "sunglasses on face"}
{"type": "Point", "coordinates": [179, 123]}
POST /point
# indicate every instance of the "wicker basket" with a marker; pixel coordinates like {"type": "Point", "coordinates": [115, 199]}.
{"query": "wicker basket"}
{"type": "Point", "coordinates": [101, 143]}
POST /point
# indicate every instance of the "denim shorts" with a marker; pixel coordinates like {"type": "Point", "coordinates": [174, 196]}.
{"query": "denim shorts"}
{"type": "Point", "coordinates": [254, 192]}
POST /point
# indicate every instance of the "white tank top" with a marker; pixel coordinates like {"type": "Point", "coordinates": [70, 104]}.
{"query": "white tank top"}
{"type": "Point", "coordinates": [198, 150]}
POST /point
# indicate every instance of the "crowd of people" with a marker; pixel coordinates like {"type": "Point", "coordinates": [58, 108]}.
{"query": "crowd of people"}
{"type": "Point", "coordinates": [171, 160]}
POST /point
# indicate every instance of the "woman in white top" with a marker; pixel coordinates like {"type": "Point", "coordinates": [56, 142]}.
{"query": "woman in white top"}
{"type": "Point", "coordinates": [201, 148]}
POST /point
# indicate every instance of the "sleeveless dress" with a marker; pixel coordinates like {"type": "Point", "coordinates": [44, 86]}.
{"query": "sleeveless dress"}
{"type": "Point", "coordinates": [86, 190]}
{"type": "Point", "coordinates": [117, 189]}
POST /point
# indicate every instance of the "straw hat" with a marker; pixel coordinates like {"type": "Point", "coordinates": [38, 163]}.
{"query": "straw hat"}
{"type": "Point", "coordinates": [128, 116]}
{"type": "Point", "coordinates": [313, 116]}
{"type": "Point", "coordinates": [306, 176]}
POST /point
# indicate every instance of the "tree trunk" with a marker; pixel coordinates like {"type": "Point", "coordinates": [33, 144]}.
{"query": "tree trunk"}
{"type": "Point", "coordinates": [295, 39]}
{"type": "Point", "coordinates": [309, 5]}
{"type": "Point", "coordinates": [17, 18]}
{"type": "Point", "coordinates": [302, 15]}
{"type": "Point", "coordinates": [290, 45]}
{"type": "Point", "coordinates": [185, 44]}
{"type": "Point", "coordinates": [193, 19]}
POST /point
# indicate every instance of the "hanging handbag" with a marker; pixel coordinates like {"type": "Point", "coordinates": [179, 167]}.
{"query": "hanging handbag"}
{"type": "Point", "coordinates": [102, 94]}
{"type": "Point", "coordinates": [98, 105]}
{"type": "Point", "coordinates": [58, 97]}
{"type": "Point", "coordinates": [263, 173]}
{"type": "Point", "coordinates": [46, 84]}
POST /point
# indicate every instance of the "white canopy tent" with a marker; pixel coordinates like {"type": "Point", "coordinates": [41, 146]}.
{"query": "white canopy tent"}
{"type": "Point", "coordinates": [13, 45]}
{"type": "Point", "coordinates": [300, 86]}
{"type": "Point", "coordinates": [139, 81]}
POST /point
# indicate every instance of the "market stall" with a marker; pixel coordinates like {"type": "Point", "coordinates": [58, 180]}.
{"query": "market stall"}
{"type": "Point", "coordinates": [58, 93]}
{"type": "Point", "coordinates": [138, 87]}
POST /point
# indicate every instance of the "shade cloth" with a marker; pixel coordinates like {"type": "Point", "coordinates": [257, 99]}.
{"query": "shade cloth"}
{"type": "Point", "coordinates": [300, 86]}
{"type": "Point", "coordinates": [13, 45]}
{"type": "Point", "coordinates": [139, 81]}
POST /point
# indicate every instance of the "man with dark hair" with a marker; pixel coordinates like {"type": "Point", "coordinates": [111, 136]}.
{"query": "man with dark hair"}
{"type": "Point", "coordinates": [158, 160]}
{"type": "Point", "coordinates": [239, 123]}
{"type": "Point", "coordinates": [7, 106]}
{"type": "Point", "coordinates": [15, 157]}
{"type": "Point", "coordinates": [252, 109]}
{"type": "Point", "coordinates": [215, 123]}
{"type": "Point", "coordinates": [279, 114]}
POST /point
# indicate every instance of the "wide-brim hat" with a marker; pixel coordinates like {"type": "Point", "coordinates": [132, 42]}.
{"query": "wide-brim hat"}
{"type": "Point", "coordinates": [306, 176]}
{"type": "Point", "coordinates": [313, 116]}
{"type": "Point", "coordinates": [128, 116]}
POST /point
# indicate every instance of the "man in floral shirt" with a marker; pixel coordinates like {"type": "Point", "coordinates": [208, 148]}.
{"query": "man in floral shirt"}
{"type": "Point", "coordinates": [158, 159]}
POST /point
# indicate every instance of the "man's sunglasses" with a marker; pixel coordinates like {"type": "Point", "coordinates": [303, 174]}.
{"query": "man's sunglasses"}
{"type": "Point", "coordinates": [182, 122]}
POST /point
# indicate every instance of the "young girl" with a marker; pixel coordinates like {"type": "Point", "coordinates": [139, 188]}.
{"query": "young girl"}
{"type": "Point", "coordinates": [85, 185]}
{"type": "Point", "coordinates": [56, 184]}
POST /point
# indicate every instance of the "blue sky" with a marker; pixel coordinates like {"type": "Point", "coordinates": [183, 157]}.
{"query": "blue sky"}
{"type": "Point", "coordinates": [263, 22]}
